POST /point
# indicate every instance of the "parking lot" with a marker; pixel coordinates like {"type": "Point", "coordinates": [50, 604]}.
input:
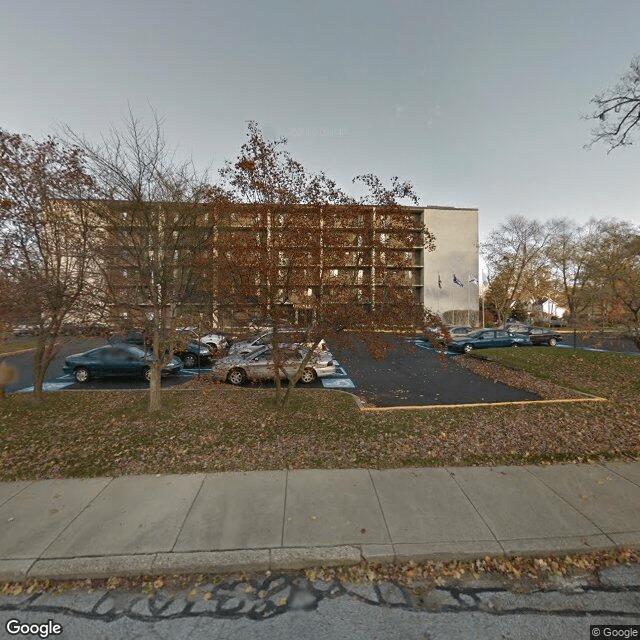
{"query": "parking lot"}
{"type": "Point", "coordinates": [411, 374]}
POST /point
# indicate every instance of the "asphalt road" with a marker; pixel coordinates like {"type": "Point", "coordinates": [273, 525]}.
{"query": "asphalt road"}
{"type": "Point", "coordinates": [290, 607]}
{"type": "Point", "coordinates": [411, 374]}
{"type": "Point", "coordinates": [414, 374]}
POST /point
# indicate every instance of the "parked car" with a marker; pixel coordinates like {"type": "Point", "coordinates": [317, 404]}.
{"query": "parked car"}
{"type": "Point", "coordinates": [136, 338]}
{"type": "Point", "coordinates": [239, 368]}
{"type": "Point", "coordinates": [515, 325]}
{"type": "Point", "coordinates": [459, 329]}
{"type": "Point", "coordinates": [215, 341]}
{"type": "Point", "coordinates": [290, 336]}
{"type": "Point", "coordinates": [455, 330]}
{"type": "Point", "coordinates": [538, 336]}
{"type": "Point", "coordinates": [115, 360]}
{"type": "Point", "coordinates": [25, 330]}
{"type": "Point", "coordinates": [194, 354]}
{"type": "Point", "coordinates": [191, 352]}
{"type": "Point", "coordinates": [487, 339]}
{"type": "Point", "coordinates": [558, 322]}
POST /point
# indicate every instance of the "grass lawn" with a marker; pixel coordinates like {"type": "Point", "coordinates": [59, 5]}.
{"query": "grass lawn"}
{"type": "Point", "coordinates": [17, 344]}
{"type": "Point", "coordinates": [213, 427]}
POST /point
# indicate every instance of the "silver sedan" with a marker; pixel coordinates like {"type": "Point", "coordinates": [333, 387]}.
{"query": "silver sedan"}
{"type": "Point", "coordinates": [237, 369]}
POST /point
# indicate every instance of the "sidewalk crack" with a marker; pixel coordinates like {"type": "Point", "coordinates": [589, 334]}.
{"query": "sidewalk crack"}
{"type": "Point", "coordinates": [175, 542]}
{"type": "Point", "coordinates": [570, 505]}
{"type": "Point", "coordinates": [15, 495]}
{"type": "Point", "coordinates": [452, 475]}
{"type": "Point", "coordinates": [40, 557]}
{"type": "Point", "coordinates": [604, 466]}
{"type": "Point", "coordinates": [284, 508]}
{"type": "Point", "coordinates": [384, 518]}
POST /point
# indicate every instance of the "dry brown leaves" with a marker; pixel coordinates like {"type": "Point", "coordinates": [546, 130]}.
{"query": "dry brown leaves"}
{"type": "Point", "coordinates": [516, 572]}
{"type": "Point", "coordinates": [220, 428]}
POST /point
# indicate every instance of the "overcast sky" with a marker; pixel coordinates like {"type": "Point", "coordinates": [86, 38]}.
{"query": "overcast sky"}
{"type": "Point", "coordinates": [477, 102]}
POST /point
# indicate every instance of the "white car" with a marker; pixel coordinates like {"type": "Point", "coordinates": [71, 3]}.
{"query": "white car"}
{"type": "Point", "coordinates": [237, 369]}
{"type": "Point", "coordinates": [264, 339]}
{"type": "Point", "coordinates": [215, 341]}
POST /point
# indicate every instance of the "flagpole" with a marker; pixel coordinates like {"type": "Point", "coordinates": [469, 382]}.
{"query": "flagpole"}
{"type": "Point", "coordinates": [481, 291]}
{"type": "Point", "coordinates": [468, 296]}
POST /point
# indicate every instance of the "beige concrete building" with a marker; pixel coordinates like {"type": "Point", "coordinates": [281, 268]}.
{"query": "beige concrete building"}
{"type": "Point", "coordinates": [456, 254]}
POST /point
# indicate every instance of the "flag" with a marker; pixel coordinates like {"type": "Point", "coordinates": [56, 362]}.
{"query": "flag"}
{"type": "Point", "coordinates": [439, 282]}
{"type": "Point", "coordinates": [473, 279]}
{"type": "Point", "coordinates": [456, 281]}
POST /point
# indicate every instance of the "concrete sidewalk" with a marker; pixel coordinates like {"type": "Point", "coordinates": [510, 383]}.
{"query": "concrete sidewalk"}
{"type": "Point", "coordinates": [278, 520]}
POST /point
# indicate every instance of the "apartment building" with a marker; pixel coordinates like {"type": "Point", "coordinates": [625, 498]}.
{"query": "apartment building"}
{"type": "Point", "coordinates": [367, 255]}
{"type": "Point", "coordinates": [379, 254]}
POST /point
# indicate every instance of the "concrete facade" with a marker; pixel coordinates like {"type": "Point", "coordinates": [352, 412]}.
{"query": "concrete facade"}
{"type": "Point", "coordinates": [456, 253]}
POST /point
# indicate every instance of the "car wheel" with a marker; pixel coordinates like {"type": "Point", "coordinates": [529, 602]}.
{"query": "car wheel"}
{"type": "Point", "coordinates": [467, 348]}
{"type": "Point", "coordinates": [146, 374]}
{"type": "Point", "coordinates": [308, 376]}
{"type": "Point", "coordinates": [515, 345]}
{"type": "Point", "coordinates": [237, 376]}
{"type": "Point", "coordinates": [552, 342]}
{"type": "Point", "coordinates": [82, 375]}
{"type": "Point", "coordinates": [189, 361]}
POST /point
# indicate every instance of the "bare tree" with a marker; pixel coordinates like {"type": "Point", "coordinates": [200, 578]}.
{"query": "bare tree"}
{"type": "Point", "coordinates": [514, 254]}
{"type": "Point", "coordinates": [296, 249]}
{"type": "Point", "coordinates": [155, 217]}
{"type": "Point", "coordinates": [569, 252]}
{"type": "Point", "coordinates": [44, 243]}
{"type": "Point", "coordinates": [617, 110]}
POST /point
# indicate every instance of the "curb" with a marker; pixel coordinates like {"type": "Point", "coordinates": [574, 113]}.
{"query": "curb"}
{"type": "Point", "coordinates": [488, 405]}
{"type": "Point", "coordinates": [248, 560]}
{"type": "Point", "coordinates": [291, 559]}
{"type": "Point", "coordinates": [16, 353]}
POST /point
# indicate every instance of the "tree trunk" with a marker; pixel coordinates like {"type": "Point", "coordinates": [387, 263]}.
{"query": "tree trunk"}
{"type": "Point", "coordinates": [278, 397]}
{"type": "Point", "coordinates": [292, 382]}
{"type": "Point", "coordinates": [38, 371]}
{"type": "Point", "coordinates": [155, 387]}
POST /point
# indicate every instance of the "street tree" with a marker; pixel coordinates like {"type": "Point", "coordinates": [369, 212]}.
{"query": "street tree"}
{"type": "Point", "coordinates": [568, 253]}
{"type": "Point", "coordinates": [295, 249]}
{"type": "Point", "coordinates": [614, 273]}
{"type": "Point", "coordinates": [617, 110]}
{"type": "Point", "coordinates": [44, 244]}
{"type": "Point", "coordinates": [515, 258]}
{"type": "Point", "coordinates": [154, 217]}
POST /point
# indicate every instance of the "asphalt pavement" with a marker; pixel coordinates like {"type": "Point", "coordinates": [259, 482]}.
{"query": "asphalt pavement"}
{"type": "Point", "coordinates": [411, 374]}
{"type": "Point", "coordinates": [290, 519]}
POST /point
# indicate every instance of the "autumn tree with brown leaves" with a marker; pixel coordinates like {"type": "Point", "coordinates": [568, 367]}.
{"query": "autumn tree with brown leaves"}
{"type": "Point", "coordinates": [44, 244]}
{"type": "Point", "coordinates": [614, 274]}
{"type": "Point", "coordinates": [154, 218]}
{"type": "Point", "coordinates": [294, 249]}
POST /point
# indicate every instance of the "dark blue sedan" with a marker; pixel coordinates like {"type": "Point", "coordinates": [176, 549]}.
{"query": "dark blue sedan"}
{"type": "Point", "coordinates": [487, 339]}
{"type": "Point", "coordinates": [114, 360]}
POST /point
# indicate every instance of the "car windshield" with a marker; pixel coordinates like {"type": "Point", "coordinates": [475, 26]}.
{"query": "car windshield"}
{"type": "Point", "coordinates": [136, 351]}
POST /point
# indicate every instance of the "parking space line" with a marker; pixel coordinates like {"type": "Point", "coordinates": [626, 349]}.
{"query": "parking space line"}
{"type": "Point", "coordinates": [48, 386]}
{"type": "Point", "coordinates": [338, 383]}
